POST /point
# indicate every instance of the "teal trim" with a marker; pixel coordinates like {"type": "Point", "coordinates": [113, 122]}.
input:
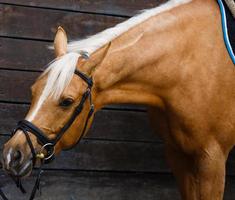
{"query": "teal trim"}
{"type": "Point", "coordinates": [225, 31]}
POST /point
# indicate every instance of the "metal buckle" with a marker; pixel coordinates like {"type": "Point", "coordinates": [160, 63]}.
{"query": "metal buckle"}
{"type": "Point", "coordinates": [85, 55]}
{"type": "Point", "coordinates": [50, 149]}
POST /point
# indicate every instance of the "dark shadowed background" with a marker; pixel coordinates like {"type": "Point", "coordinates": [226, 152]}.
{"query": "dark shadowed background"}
{"type": "Point", "coordinates": [120, 158]}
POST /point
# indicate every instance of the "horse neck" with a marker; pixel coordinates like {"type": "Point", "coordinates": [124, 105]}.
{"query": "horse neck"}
{"type": "Point", "coordinates": [142, 65]}
{"type": "Point", "coordinates": [135, 63]}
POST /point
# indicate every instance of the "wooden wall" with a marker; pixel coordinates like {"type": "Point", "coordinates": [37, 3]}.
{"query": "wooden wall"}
{"type": "Point", "coordinates": [121, 158]}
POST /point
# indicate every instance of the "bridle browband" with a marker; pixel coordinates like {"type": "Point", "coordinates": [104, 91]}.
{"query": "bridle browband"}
{"type": "Point", "coordinates": [48, 144]}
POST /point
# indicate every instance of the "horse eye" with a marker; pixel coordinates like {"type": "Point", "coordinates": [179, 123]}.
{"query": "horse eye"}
{"type": "Point", "coordinates": [66, 102]}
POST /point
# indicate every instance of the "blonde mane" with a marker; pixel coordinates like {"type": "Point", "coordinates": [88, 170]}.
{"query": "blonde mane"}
{"type": "Point", "coordinates": [93, 43]}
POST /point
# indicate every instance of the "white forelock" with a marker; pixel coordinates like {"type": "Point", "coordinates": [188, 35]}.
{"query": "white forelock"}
{"type": "Point", "coordinates": [60, 73]}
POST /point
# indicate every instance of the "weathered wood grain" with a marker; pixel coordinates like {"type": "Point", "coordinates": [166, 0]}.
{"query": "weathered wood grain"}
{"type": "Point", "coordinates": [108, 124]}
{"type": "Point", "coordinates": [113, 7]}
{"type": "Point", "coordinates": [100, 155]}
{"type": "Point", "coordinates": [57, 185]}
{"type": "Point", "coordinates": [114, 156]}
{"type": "Point", "coordinates": [118, 156]}
{"type": "Point", "coordinates": [15, 86]}
{"type": "Point", "coordinates": [42, 24]}
{"type": "Point", "coordinates": [24, 54]}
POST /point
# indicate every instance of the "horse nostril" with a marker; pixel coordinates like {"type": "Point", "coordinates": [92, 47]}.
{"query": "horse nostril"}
{"type": "Point", "coordinates": [16, 158]}
{"type": "Point", "coordinates": [17, 155]}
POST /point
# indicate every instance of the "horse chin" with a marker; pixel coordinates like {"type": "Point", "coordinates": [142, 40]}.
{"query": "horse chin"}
{"type": "Point", "coordinates": [26, 170]}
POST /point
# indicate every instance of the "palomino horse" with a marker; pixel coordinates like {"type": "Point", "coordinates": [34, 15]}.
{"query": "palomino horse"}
{"type": "Point", "coordinates": [171, 58]}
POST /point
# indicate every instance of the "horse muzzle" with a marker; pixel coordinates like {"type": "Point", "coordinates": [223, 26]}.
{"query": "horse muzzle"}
{"type": "Point", "coordinates": [16, 162]}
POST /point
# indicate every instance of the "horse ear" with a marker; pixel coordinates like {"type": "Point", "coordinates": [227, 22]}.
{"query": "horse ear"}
{"type": "Point", "coordinates": [101, 54]}
{"type": "Point", "coordinates": [60, 42]}
{"type": "Point", "coordinates": [96, 59]}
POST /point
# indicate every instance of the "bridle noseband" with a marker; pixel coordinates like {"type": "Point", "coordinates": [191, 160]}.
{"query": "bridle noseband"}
{"type": "Point", "coordinates": [48, 144]}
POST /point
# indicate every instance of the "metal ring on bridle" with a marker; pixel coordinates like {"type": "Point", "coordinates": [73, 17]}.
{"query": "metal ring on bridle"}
{"type": "Point", "coordinates": [44, 147]}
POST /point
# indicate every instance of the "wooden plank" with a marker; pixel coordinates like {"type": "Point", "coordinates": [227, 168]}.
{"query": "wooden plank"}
{"type": "Point", "coordinates": [15, 86]}
{"type": "Point", "coordinates": [113, 156]}
{"type": "Point", "coordinates": [37, 23]}
{"type": "Point", "coordinates": [24, 54]}
{"type": "Point", "coordinates": [113, 7]}
{"type": "Point", "coordinates": [58, 185]}
{"type": "Point", "coordinates": [108, 124]}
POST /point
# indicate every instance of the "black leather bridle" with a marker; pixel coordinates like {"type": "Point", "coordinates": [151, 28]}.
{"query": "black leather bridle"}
{"type": "Point", "coordinates": [48, 144]}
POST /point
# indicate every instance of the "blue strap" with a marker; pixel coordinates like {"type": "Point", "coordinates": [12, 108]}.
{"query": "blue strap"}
{"type": "Point", "coordinates": [225, 31]}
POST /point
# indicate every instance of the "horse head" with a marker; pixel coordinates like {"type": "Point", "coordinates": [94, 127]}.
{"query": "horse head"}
{"type": "Point", "coordinates": [60, 114]}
